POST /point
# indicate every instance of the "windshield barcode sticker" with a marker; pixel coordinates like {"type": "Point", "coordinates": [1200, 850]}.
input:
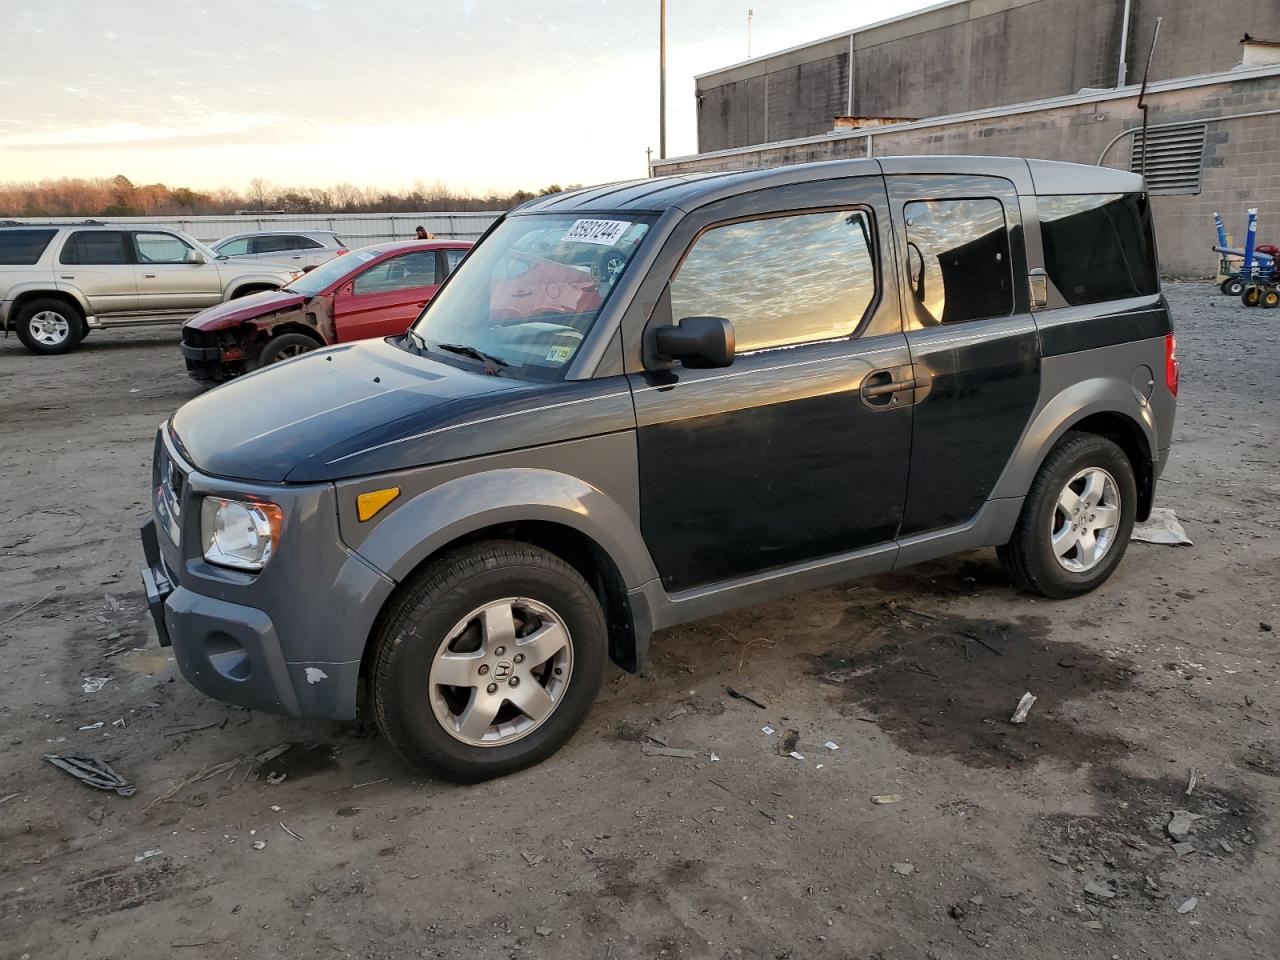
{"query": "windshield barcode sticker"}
{"type": "Point", "coordinates": [604, 232]}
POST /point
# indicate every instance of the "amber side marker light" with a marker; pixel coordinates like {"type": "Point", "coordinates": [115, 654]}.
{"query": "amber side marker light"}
{"type": "Point", "coordinates": [368, 504]}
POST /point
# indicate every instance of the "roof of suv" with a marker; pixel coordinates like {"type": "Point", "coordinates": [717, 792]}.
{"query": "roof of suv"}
{"type": "Point", "coordinates": [694, 189]}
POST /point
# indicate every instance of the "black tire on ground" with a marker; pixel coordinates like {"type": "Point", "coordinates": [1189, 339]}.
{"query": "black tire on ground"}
{"type": "Point", "coordinates": [1251, 296]}
{"type": "Point", "coordinates": [418, 625]}
{"type": "Point", "coordinates": [285, 346]}
{"type": "Point", "coordinates": [49, 326]}
{"type": "Point", "coordinates": [1232, 286]}
{"type": "Point", "coordinates": [1030, 555]}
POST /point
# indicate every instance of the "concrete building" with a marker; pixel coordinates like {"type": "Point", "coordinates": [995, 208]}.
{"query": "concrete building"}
{"type": "Point", "coordinates": [1033, 78]}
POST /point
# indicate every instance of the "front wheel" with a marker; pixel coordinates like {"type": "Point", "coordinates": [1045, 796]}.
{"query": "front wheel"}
{"type": "Point", "coordinates": [1270, 299]}
{"type": "Point", "coordinates": [488, 662]}
{"type": "Point", "coordinates": [1251, 296]}
{"type": "Point", "coordinates": [286, 346]}
{"type": "Point", "coordinates": [1076, 520]}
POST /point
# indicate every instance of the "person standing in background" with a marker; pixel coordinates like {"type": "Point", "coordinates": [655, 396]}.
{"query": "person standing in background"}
{"type": "Point", "coordinates": [421, 234]}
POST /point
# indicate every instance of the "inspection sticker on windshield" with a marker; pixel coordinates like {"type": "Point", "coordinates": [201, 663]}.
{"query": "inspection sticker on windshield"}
{"type": "Point", "coordinates": [604, 232]}
{"type": "Point", "coordinates": [559, 354]}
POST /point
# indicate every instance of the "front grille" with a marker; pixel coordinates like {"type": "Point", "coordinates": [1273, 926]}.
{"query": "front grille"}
{"type": "Point", "coordinates": [169, 496]}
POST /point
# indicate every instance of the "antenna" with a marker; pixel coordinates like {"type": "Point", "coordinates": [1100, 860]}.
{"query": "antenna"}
{"type": "Point", "coordinates": [1142, 94]}
{"type": "Point", "coordinates": [750, 12]}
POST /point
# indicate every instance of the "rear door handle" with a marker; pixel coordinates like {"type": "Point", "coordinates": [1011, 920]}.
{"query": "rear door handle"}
{"type": "Point", "coordinates": [881, 389]}
{"type": "Point", "coordinates": [148, 276]}
{"type": "Point", "coordinates": [894, 386]}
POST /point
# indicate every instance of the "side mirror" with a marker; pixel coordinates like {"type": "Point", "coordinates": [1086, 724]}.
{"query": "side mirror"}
{"type": "Point", "coordinates": [697, 342]}
{"type": "Point", "coordinates": [196, 257]}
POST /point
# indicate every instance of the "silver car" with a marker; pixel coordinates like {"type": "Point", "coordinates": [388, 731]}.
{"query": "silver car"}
{"type": "Point", "coordinates": [59, 281]}
{"type": "Point", "coordinates": [305, 248]}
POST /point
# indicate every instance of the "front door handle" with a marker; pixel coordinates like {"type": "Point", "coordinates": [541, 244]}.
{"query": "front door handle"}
{"type": "Point", "coordinates": [148, 276]}
{"type": "Point", "coordinates": [894, 387]}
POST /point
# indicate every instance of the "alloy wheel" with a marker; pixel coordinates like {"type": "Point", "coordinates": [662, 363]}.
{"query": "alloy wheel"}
{"type": "Point", "coordinates": [50, 328]}
{"type": "Point", "coordinates": [501, 672]}
{"type": "Point", "coordinates": [1085, 520]}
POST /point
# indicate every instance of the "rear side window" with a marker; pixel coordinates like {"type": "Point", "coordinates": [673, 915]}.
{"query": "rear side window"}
{"type": "Point", "coordinates": [781, 280]}
{"type": "Point", "coordinates": [451, 260]}
{"type": "Point", "coordinates": [304, 243]}
{"type": "Point", "coordinates": [23, 247]}
{"type": "Point", "coordinates": [272, 244]}
{"type": "Point", "coordinates": [409, 270]}
{"type": "Point", "coordinates": [96, 247]}
{"type": "Point", "coordinates": [1099, 247]}
{"type": "Point", "coordinates": [958, 260]}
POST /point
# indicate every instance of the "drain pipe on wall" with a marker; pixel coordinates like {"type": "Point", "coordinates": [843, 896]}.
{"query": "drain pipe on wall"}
{"type": "Point", "coordinates": [1142, 95]}
{"type": "Point", "coordinates": [1122, 76]}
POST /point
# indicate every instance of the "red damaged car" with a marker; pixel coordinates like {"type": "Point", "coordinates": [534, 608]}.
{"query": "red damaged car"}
{"type": "Point", "coordinates": [374, 291]}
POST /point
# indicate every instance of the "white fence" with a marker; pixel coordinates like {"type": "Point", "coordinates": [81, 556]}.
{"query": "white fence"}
{"type": "Point", "coordinates": [356, 229]}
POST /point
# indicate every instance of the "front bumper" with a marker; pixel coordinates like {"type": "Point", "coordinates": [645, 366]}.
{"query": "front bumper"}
{"type": "Point", "coordinates": [289, 640]}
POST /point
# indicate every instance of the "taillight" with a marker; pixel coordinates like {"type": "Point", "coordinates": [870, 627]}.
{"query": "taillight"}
{"type": "Point", "coordinates": [340, 252]}
{"type": "Point", "coordinates": [1171, 365]}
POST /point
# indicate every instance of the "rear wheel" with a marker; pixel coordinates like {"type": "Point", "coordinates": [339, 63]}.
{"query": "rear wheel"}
{"type": "Point", "coordinates": [488, 662]}
{"type": "Point", "coordinates": [49, 326]}
{"type": "Point", "coordinates": [1270, 299]}
{"type": "Point", "coordinates": [286, 346]}
{"type": "Point", "coordinates": [1076, 520]}
{"type": "Point", "coordinates": [1232, 286]}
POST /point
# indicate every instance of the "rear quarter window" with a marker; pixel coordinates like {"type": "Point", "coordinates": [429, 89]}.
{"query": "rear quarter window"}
{"type": "Point", "coordinates": [23, 247]}
{"type": "Point", "coordinates": [1099, 247]}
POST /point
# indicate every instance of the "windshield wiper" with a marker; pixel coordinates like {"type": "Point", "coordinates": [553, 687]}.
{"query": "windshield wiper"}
{"type": "Point", "coordinates": [473, 353]}
{"type": "Point", "coordinates": [416, 337]}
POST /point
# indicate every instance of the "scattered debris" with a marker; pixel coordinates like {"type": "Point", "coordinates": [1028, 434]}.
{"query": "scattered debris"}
{"type": "Point", "coordinates": [1161, 527]}
{"type": "Point", "coordinates": [887, 798]}
{"type": "Point", "coordinates": [10, 796]}
{"type": "Point", "coordinates": [1024, 707]}
{"type": "Point", "coordinates": [679, 711]}
{"type": "Point", "coordinates": [276, 808]}
{"type": "Point", "coordinates": [904, 869]}
{"type": "Point", "coordinates": [977, 639]}
{"type": "Point", "coordinates": [1264, 627]}
{"type": "Point", "coordinates": [568, 844]}
{"type": "Point", "coordinates": [92, 726]}
{"type": "Point", "coordinates": [542, 931]}
{"type": "Point", "coordinates": [1093, 924]}
{"type": "Point", "coordinates": [790, 740]}
{"type": "Point", "coordinates": [26, 609]}
{"type": "Point", "coordinates": [1184, 848]}
{"type": "Point", "coordinates": [369, 783]}
{"type": "Point", "coordinates": [94, 684]}
{"type": "Point", "coordinates": [1192, 779]}
{"type": "Point", "coordinates": [94, 773]}
{"type": "Point", "coordinates": [795, 755]}
{"type": "Point", "coordinates": [712, 758]}
{"type": "Point", "coordinates": [1059, 859]}
{"type": "Point", "coordinates": [747, 697]}
{"type": "Point", "coordinates": [977, 901]}
{"type": "Point", "coordinates": [285, 828]}
{"type": "Point", "coordinates": [831, 745]}
{"type": "Point", "coordinates": [266, 756]}
{"type": "Point", "coordinates": [1180, 822]}
{"type": "Point", "coordinates": [276, 778]}
{"type": "Point", "coordinates": [533, 859]}
{"type": "Point", "coordinates": [259, 844]}
{"type": "Point", "coordinates": [660, 741]}
{"type": "Point", "coordinates": [182, 731]}
{"type": "Point", "coordinates": [147, 855]}
{"type": "Point", "coordinates": [651, 751]}
{"type": "Point", "coordinates": [1099, 890]}
{"type": "Point", "coordinates": [767, 730]}
{"type": "Point", "coordinates": [1188, 905]}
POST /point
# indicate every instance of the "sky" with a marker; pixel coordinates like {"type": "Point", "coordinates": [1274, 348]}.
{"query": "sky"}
{"type": "Point", "coordinates": [484, 96]}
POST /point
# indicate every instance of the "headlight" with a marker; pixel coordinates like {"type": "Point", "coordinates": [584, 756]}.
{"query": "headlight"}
{"type": "Point", "coordinates": [296, 274]}
{"type": "Point", "coordinates": [238, 533]}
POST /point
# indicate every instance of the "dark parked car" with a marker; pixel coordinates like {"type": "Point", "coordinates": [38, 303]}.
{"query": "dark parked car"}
{"type": "Point", "coordinates": [798, 376]}
{"type": "Point", "coordinates": [374, 291]}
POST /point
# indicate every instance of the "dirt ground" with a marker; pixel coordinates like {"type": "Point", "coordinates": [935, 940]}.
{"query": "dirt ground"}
{"type": "Point", "coordinates": [605, 851]}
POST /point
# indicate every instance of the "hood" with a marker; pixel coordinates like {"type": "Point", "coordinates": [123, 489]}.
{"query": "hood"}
{"type": "Point", "coordinates": [335, 412]}
{"type": "Point", "coordinates": [245, 308]}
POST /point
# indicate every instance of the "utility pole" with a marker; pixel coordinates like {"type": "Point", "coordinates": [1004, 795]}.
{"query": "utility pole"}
{"type": "Point", "coordinates": [749, 13]}
{"type": "Point", "coordinates": [662, 80]}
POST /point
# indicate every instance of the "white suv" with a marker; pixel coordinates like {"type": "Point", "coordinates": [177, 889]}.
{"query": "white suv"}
{"type": "Point", "coordinates": [59, 281]}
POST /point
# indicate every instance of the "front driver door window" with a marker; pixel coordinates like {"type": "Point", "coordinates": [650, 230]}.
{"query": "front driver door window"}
{"type": "Point", "coordinates": [170, 276]}
{"type": "Point", "coordinates": [778, 459]}
{"type": "Point", "coordinates": [388, 296]}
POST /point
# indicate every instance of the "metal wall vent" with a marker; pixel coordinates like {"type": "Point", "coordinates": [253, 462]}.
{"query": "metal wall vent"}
{"type": "Point", "coordinates": [1174, 157]}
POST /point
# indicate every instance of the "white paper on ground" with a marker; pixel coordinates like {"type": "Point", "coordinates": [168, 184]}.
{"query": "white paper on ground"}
{"type": "Point", "coordinates": [1161, 527]}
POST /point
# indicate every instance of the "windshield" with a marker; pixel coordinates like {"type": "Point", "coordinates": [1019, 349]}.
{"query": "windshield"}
{"type": "Point", "coordinates": [526, 297]}
{"type": "Point", "coordinates": [329, 272]}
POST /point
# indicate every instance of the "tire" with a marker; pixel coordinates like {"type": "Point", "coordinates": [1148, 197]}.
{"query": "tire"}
{"type": "Point", "coordinates": [1232, 286]}
{"type": "Point", "coordinates": [437, 629]}
{"type": "Point", "coordinates": [1030, 556]}
{"type": "Point", "coordinates": [286, 346]}
{"type": "Point", "coordinates": [50, 326]}
{"type": "Point", "coordinates": [250, 290]}
{"type": "Point", "coordinates": [610, 265]}
{"type": "Point", "coordinates": [1251, 297]}
{"type": "Point", "coordinates": [1270, 299]}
